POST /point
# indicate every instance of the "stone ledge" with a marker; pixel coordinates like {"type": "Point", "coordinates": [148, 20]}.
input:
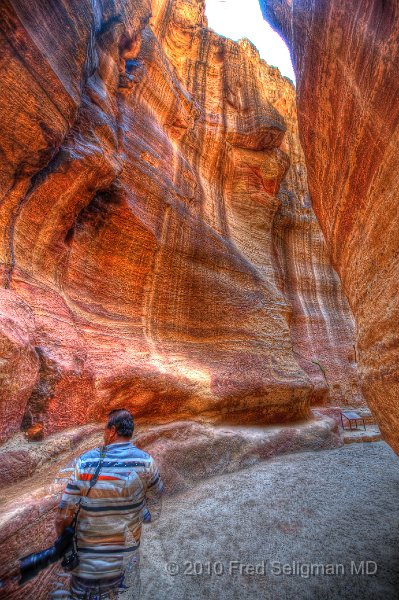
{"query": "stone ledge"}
{"type": "Point", "coordinates": [372, 434]}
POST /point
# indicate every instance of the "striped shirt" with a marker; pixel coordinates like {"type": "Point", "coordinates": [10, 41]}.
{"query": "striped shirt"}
{"type": "Point", "coordinates": [110, 518]}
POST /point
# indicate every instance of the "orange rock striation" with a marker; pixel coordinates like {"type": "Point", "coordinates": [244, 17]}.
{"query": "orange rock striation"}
{"type": "Point", "coordinates": [346, 56]}
{"type": "Point", "coordinates": [158, 245]}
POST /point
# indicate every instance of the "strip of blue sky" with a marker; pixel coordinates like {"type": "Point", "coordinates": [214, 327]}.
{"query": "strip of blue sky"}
{"type": "Point", "coordinates": [237, 19]}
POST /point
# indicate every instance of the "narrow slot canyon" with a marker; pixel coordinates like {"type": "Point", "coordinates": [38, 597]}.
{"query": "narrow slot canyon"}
{"type": "Point", "coordinates": [189, 235]}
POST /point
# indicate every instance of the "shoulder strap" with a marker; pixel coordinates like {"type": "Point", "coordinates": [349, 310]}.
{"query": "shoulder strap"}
{"type": "Point", "coordinates": [96, 474]}
{"type": "Point", "coordinates": [92, 483]}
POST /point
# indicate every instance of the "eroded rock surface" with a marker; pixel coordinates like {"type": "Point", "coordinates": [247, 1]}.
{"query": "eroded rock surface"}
{"type": "Point", "coordinates": [346, 58]}
{"type": "Point", "coordinates": [156, 222]}
{"type": "Point", "coordinates": [19, 362]}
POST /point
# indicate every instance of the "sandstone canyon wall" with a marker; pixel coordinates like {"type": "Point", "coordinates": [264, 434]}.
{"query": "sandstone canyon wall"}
{"type": "Point", "coordinates": [158, 245]}
{"type": "Point", "coordinates": [346, 56]}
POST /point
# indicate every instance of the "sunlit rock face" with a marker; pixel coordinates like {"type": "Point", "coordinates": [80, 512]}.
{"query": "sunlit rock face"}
{"type": "Point", "coordinates": [346, 58]}
{"type": "Point", "coordinates": [156, 236]}
{"type": "Point", "coordinates": [321, 324]}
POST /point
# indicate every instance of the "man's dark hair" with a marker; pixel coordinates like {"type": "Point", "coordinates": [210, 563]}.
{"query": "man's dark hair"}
{"type": "Point", "coordinates": [123, 421]}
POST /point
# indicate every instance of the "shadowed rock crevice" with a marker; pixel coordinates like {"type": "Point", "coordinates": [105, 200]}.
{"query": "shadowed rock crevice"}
{"type": "Point", "coordinates": [94, 215]}
{"type": "Point", "coordinates": [37, 404]}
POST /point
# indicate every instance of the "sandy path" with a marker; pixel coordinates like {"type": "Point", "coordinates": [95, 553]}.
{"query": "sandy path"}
{"type": "Point", "coordinates": [329, 507]}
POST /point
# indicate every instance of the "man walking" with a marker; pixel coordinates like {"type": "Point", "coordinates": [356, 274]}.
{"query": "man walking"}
{"type": "Point", "coordinates": [109, 492]}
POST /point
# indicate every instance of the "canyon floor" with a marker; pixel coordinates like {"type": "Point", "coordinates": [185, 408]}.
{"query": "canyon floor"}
{"type": "Point", "coordinates": [329, 507]}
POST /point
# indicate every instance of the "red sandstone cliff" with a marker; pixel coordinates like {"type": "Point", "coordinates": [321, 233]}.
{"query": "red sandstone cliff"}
{"type": "Point", "coordinates": [158, 246]}
{"type": "Point", "coordinates": [346, 56]}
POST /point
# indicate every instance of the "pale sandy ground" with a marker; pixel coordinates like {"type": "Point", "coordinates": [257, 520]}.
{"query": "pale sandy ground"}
{"type": "Point", "coordinates": [330, 507]}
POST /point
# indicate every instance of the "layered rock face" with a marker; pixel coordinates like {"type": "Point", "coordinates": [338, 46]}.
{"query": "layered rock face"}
{"type": "Point", "coordinates": [159, 250]}
{"type": "Point", "coordinates": [321, 324]}
{"type": "Point", "coordinates": [346, 57]}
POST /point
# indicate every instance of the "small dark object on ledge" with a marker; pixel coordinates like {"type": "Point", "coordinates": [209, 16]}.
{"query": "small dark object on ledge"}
{"type": "Point", "coordinates": [352, 416]}
{"type": "Point", "coordinates": [35, 432]}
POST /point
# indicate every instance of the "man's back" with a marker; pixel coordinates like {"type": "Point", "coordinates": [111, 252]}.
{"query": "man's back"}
{"type": "Point", "coordinates": [110, 517]}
